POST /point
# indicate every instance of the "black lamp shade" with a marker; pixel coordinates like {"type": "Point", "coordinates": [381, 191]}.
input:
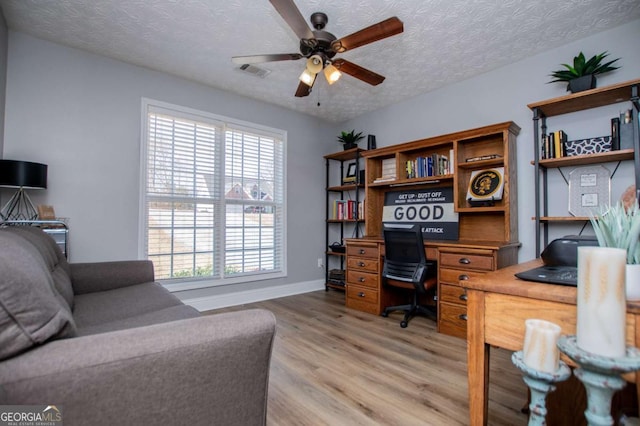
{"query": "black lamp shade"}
{"type": "Point", "coordinates": [23, 174]}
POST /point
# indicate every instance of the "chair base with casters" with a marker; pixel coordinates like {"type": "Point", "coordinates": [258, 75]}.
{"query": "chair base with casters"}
{"type": "Point", "coordinates": [414, 308]}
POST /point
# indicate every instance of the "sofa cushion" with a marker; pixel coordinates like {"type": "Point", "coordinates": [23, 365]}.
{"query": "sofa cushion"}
{"type": "Point", "coordinates": [112, 305]}
{"type": "Point", "coordinates": [31, 311]}
{"type": "Point", "coordinates": [173, 313]}
{"type": "Point", "coordinates": [52, 255]}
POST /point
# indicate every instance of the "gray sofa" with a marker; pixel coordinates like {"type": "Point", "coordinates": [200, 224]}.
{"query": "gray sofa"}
{"type": "Point", "coordinates": [108, 345]}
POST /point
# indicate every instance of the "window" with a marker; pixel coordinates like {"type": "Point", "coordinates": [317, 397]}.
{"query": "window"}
{"type": "Point", "coordinates": [213, 196]}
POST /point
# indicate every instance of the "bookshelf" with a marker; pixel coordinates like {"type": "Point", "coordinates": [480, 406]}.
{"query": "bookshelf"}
{"type": "Point", "coordinates": [468, 151]}
{"type": "Point", "coordinates": [344, 210]}
{"type": "Point", "coordinates": [556, 107]}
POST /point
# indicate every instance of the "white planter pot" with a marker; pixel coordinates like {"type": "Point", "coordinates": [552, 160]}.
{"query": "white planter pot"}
{"type": "Point", "coordinates": [633, 282]}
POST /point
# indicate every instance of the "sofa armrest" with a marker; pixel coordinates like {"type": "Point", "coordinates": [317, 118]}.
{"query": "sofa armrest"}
{"type": "Point", "coordinates": [101, 276]}
{"type": "Point", "coordinates": [206, 370]}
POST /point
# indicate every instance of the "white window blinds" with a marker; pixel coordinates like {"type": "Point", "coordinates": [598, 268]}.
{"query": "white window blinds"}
{"type": "Point", "coordinates": [213, 198]}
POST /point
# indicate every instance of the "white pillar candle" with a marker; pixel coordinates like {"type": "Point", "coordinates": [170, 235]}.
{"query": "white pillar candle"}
{"type": "Point", "coordinates": [601, 301]}
{"type": "Point", "coordinates": [540, 351]}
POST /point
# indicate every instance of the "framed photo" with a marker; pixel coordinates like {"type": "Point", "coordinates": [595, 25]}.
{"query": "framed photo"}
{"type": "Point", "coordinates": [351, 173]}
{"type": "Point", "coordinates": [589, 190]}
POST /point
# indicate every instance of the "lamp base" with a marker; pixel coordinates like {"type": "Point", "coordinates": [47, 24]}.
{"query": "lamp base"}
{"type": "Point", "coordinates": [19, 207]}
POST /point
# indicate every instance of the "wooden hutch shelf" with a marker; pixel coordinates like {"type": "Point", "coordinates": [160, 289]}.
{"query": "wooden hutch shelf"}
{"type": "Point", "coordinates": [487, 236]}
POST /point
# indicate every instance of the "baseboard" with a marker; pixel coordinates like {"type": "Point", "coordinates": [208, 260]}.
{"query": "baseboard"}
{"type": "Point", "coordinates": [250, 296]}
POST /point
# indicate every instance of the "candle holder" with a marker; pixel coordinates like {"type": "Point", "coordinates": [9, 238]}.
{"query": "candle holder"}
{"type": "Point", "coordinates": [600, 376]}
{"type": "Point", "coordinates": [540, 383]}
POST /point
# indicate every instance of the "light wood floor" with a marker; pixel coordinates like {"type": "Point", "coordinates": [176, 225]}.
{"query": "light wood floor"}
{"type": "Point", "coordinates": [336, 366]}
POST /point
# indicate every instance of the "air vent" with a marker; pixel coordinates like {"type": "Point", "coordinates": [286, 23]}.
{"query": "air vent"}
{"type": "Point", "coordinates": [252, 69]}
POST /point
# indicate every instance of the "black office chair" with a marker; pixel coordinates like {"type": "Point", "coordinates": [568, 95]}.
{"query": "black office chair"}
{"type": "Point", "coordinates": [406, 266]}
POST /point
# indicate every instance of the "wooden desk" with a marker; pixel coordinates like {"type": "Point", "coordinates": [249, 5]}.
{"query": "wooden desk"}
{"type": "Point", "coordinates": [457, 260]}
{"type": "Point", "coordinates": [497, 306]}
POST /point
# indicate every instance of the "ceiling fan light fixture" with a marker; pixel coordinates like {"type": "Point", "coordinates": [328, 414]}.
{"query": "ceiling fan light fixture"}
{"type": "Point", "coordinates": [307, 77]}
{"type": "Point", "coordinates": [315, 64]}
{"type": "Point", "coordinates": [332, 74]}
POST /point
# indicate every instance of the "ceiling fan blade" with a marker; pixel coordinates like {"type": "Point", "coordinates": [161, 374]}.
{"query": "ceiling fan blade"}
{"type": "Point", "coordinates": [292, 16]}
{"type": "Point", "coordinates": [254, 59]}
{"type": "Point", "coordinates": [303, 90]}
{"type": "Point", "coordinates": [358, 72]}
{"type": "Point", "coordinates": [375, 32]}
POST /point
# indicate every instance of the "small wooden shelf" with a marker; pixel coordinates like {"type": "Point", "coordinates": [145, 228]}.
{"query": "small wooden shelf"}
{"type": "Point", "coordinates": [334, 285]}
{"type": "Point", "coordinates": [347, 154]}
{"type": "Point", "coordinates": [481, 209]}
{"type": "Point", "coordinates": [333, 253]}
{"type": "Point", "coordinates": [498, 162]}
{"type": "Point", "coordinates": [562, 218]}
{"type": "Point", "coordinates": [585, 100]}
{"type": "Point", "coordinates": [343, 188]}
{"type": "Point", "coordinates": [579, 160]}
{"type": "Point", "coordinates": [415, 181]}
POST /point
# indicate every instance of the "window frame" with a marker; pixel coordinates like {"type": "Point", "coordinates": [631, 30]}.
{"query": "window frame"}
{"type": "Point", "coordinates": [227, 123]}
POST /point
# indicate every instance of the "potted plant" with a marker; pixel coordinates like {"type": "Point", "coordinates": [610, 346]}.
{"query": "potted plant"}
{"type": "Point", "coordinates": [582, 75]}
{"type": "Point", "coordinates": [350, 139]}
{"type": "Point", "coordinates": [619, 227]}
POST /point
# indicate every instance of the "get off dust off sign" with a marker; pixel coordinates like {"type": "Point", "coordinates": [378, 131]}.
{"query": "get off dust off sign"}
{"type": "Point", "coordinates": [431, 208]}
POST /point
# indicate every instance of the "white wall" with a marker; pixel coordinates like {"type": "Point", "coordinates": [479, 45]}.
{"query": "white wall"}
{"type": "Point", "coordinates": [80, 113]}
{"type": "Point", "coordinates": [503, 95]}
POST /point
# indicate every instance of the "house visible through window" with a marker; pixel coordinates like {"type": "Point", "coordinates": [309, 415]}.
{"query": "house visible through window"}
{"type": "Point", "coordinates": [213, 198]}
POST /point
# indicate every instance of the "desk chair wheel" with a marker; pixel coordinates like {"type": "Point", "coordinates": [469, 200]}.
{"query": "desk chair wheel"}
{"type": "Point", "coordinates": [385, 314]}
{"type": "Point", "coordinates": [404, 324]}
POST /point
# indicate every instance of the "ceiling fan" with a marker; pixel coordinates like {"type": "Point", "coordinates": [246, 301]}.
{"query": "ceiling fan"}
{"type": "Point", "coordinates": [320, 47]}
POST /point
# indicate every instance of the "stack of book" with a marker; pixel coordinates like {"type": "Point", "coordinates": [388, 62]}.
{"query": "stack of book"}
{"type": "Point", "coordinates": [388, 170]}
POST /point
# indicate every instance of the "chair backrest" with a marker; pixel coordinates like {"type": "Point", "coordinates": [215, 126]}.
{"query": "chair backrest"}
{"type": "Point", "coordinates": [405, 258]}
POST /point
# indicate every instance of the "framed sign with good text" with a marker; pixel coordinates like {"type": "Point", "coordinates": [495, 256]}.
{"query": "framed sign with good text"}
{"type": "Point", "coordinates": [432, 209]}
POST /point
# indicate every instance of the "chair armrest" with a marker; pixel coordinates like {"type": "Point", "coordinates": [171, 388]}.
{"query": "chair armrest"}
{"type": "Point", "coordinates": [211, 369]}
{"type": "Point", "coordinates": [101, 276]}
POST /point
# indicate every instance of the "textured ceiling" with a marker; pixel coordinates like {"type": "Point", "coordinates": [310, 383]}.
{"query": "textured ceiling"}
{"type": "Point", "coordinates": [446, 40]}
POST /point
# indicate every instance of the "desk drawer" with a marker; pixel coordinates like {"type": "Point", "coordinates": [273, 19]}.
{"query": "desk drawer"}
{"type": "Point", "coordinates": [467, 261]}
{"type": "Point", "coordinates": [361, 250]}
{"type": "Point", "coordinates": [362, 264]}
{"type": "Point", "coordinates": [452, 294]}
{"type": "Point", "coordinates": [362, 298]}
{"type": "Point", "coordinates": [452, 320]}
{"type": "Point", "coordinates": [364, 279]}
{"type": "Point", "coordinates": [454, 276]}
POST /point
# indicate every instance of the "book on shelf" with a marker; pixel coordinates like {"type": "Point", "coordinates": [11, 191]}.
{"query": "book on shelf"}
{"type": "Point", "coordinates": [346, 210]}
{"type": "Point", "coordinates": [615, 133]}
{"type": "Point", "coordinates": [451, 162]}
{"type": "Point", "coordinates": [554, 145]}
{"type": "Point", "coordinates": [432, 165]}
{"type": "Point", "coordinates": [483, 157]}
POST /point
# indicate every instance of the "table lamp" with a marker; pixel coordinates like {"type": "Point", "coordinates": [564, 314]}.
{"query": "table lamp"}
{"type": "Point", "coordinates": [22, 175]}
